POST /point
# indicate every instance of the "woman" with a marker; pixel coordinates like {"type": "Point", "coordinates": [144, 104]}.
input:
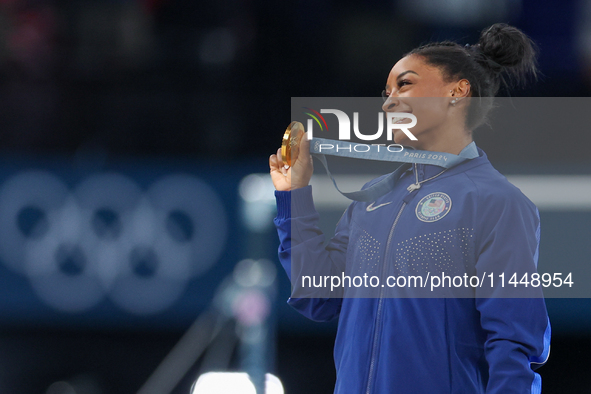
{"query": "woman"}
{"type": "Point", "coordinates": [466, 219]}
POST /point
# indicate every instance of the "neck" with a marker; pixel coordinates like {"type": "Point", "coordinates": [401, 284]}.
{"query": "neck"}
{"type": "Point", "coordinates": [447, 146]}
{"type": "Point", "coordinates": [447, 140]}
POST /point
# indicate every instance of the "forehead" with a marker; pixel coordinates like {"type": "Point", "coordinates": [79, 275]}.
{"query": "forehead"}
{"type": "Point", "coordinates": [418, 65]}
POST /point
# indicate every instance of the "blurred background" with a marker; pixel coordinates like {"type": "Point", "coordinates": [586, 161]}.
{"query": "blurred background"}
{"type": "Point", "coordinates": [130, 130]}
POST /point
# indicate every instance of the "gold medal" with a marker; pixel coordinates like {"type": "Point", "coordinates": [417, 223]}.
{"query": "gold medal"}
{"type": "Point", "coordinates": [290, 146]}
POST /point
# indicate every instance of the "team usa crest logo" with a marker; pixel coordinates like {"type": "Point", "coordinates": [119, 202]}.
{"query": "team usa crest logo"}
{"type": "Point", "coordinates": [433, 207]}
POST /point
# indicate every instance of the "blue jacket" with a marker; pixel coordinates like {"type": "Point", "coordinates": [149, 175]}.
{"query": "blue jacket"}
{"type": "Point", "coordinates": [468, 220]}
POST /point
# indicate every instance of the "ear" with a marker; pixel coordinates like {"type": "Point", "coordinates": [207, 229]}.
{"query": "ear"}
{"type": "Point", "coordinates": [461, 88]}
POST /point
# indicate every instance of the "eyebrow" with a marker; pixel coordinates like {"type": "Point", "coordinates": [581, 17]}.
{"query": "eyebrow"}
{"type": "Point", "coordinates": [402, 74]}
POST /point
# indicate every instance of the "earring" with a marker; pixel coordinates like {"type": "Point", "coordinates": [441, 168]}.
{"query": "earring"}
{"type": "Point", "coordinates": [454, 101]}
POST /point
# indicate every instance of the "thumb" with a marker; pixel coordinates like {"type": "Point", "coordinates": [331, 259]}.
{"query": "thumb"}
{"type": "Point", "coordinates": [303, 168]}
{"type": "Point", "coordinates": [304, 147]}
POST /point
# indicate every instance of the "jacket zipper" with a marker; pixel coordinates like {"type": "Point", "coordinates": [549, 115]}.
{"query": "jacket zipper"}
{"type": "Point", "coordinates": [378, 326]}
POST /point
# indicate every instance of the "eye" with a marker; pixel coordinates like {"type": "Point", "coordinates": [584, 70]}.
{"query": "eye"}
{"type": "Point", "coordinates": [385, 95]}
{"type": "Point", "coordinates": [403, 82]}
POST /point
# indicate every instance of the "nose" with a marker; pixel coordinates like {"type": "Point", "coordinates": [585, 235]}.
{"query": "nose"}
{"type": "Point", "coordinates": [390, 103]}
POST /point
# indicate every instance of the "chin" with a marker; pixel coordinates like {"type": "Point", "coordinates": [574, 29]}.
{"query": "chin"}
{"type": "Point", "coordinates": [402, 139]}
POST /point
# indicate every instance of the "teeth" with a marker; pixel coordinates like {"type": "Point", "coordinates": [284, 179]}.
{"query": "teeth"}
{"type": "Point", "coordinates": [398, 119]}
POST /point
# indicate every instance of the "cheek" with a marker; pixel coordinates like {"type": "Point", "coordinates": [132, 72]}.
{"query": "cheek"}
{"type": "Point", "coordinates": [429, 112]}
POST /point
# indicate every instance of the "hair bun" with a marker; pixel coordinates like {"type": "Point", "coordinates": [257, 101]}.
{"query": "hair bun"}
{"type": "Point", "coordinates": [506, 48]}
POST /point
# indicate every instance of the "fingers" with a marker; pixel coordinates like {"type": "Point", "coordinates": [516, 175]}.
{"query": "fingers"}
{"type": "Point", "coordinates": [279, 174]}
{"type": "Point", "coordinates": [282, 175]}
{"type": "Point", "coordinates": [276, 164]}
{"type": "Point", "coordinates": [273, 162]}
{"type": "Point", "coordinates": [283, 167]}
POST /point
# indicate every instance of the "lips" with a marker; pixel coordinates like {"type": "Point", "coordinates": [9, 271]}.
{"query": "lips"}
{"type": "Point", "coordinates": [400, 119]}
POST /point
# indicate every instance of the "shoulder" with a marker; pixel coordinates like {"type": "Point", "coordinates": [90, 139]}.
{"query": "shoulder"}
{"type": "Point", "coordinates": [495, 192]}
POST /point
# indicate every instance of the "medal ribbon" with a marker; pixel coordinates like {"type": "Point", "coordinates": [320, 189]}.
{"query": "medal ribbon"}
{"type": "Point", "coordinates": [319, 147]}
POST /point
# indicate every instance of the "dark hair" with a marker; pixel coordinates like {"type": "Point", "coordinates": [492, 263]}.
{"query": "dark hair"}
{"type": "Point", "coordinates": [502, 51]}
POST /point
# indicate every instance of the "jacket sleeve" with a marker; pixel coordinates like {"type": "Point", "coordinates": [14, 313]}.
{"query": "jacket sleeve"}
{"type": "Point", "coordinates": [302, 254]}
{"type": "Point", "coordinates": [515, 320]}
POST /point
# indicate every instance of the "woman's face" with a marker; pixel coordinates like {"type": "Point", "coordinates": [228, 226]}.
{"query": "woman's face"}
{"type": "Point", "coordinates": [415, 87]}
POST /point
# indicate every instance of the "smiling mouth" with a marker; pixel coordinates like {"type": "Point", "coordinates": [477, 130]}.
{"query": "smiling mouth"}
{"type": "Point", "coordinates": [398, 120]}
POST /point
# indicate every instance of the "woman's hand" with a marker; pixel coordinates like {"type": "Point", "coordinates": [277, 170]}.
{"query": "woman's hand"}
{"type": "Point", "coordinates": [297, 176]}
